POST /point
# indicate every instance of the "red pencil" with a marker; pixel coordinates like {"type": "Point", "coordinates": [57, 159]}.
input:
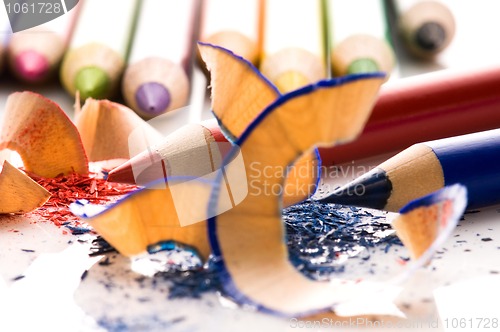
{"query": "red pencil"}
{"type": "Point", "coordinates": [35, 54]}
{"type": "Point", "coordinates": [423, 108]}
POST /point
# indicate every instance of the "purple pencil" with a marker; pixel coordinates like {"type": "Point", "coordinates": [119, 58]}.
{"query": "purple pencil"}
{"type": "Point", "coordinates": [157, 77]}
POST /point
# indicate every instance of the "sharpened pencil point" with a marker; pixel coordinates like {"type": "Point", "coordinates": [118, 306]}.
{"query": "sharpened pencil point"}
{"type": "Point", "coordinates": [32, 66]}
{"type": "Point", "coordinates": [430, 36]}
{"type": "Point", "coordinates": [122, 174]}
{"type": "Point", "coordinates": [92, 82]}
{"type": "Point", "coordinates": [371, 191]}
{"type": "Point", "coordinates": [362, 66]}
{"type": "Point", "coordinates": [152, 98]}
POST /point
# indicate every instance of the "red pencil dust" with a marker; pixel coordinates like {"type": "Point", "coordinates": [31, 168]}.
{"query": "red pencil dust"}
{"type": "Point", "coordinates": [68, 189]}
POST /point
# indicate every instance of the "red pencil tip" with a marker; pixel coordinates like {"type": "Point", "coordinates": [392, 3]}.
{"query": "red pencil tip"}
{"type": "Point", "coordinates": [31, 66]}
{"type": "Point", "coordinates": [122, 174]}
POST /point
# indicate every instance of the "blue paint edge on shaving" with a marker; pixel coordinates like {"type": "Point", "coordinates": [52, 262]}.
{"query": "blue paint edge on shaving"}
{"type": "Point", "coordinates": [225, 278]}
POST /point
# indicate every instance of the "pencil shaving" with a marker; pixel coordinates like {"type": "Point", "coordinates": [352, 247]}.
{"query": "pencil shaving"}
{"type": "Point", "coordinates": [248, 239]}
{"type": "Point", "coordinates": [105, 128]}
{"type": "Point", "coordinates": [20, 194]}
{"type": "Point", "coordinates": [423, 222]}
{"type": "Point", "coordinates": [43, 135]}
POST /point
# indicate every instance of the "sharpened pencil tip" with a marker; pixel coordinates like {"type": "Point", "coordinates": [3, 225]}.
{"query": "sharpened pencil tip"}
{"type": "Point", "coordinates": [122, 174]}
{"type": "Point", "coordinates": [92, 82]}
{"type": "Point", "coordinates": [371, 190]}
{"type": "Point", "coordinates": [32, 66]}
{"type": "Point", "coordinates": [153, 98]}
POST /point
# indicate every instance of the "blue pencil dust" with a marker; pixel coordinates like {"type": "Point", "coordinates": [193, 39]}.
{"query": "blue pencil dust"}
{"type": "Point", "coordinates": [320, 237]}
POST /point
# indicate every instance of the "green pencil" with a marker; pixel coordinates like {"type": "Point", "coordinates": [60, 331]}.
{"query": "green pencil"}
{"type": "Point", "coordinates": [358, 37]}
{"type": "Point", "coordinates": [98, 50]}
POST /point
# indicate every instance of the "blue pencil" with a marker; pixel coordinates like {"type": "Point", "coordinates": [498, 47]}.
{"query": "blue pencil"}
{"type": "Point", "coordinates": [472, 160]}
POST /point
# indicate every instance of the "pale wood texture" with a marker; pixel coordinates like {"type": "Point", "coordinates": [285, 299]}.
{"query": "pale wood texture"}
{"type": "Point", "coordinates": [418, 229]}
{"type": "Point", "coordinates": [402, 171]}
{"type": "Point", "coordinates": [254, 94]}
{"type": "Point", "coordinates": [146, 218]}
{"type": "Point", "coordinates": [250, 236]}
{"type": "Point", "coordinates": [424, 225]}
{"type": "Point", "coordinates": [43, 135]}
{"type": "Point", "coordinates": [105, 128]}
{"type": "Point", "coordinates": [20, 194]}
{"type": "Point", "coordinates": [358, 47]}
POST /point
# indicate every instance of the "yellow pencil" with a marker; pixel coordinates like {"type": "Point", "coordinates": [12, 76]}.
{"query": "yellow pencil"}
{"type": "Point", "coordinates": [98, 49]}
{"type": "Point", "coordinates": [234, 25]}
{"type": "Point", "coordinates": [157, 77]}
{"type": "Point", "coordinates": [293, 52]}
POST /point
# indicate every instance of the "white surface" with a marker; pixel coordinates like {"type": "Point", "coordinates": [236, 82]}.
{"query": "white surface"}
{"type": "Point", "coordinates": [370, 20]}
{"type": "Point", "coordinates": [111, 295]}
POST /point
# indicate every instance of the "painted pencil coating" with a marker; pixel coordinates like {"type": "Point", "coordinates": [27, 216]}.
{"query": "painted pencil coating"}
{"type": "Point", "coordinates": [471, 160]}
{"type": "Point", "coordinates": [423, 108]}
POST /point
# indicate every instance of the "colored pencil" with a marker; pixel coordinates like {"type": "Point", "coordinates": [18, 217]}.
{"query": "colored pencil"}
{"type": "Point", "coordinates": [427, 27]}
{"type": "Point", "coordinates": [35, 54]}
{"type": "Point", "coordinates": [293, 52]}
{"type": "Point", "coordinates": [98, 49]}
{"type": "Point", "coordinates": [157, 77]}
{"type": "Point", "coordinates": [423, 108]}
{"type": "Point", "coordinates": [471, 160]}
{"type": "Point", "coordinates": [235, 25]}
{"type": "Point", "coordinates": [189, 142]}
{"type": "Point", "coordinates": [359, 38]}
{"type": "Point", "coordinates": [187, 149]}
